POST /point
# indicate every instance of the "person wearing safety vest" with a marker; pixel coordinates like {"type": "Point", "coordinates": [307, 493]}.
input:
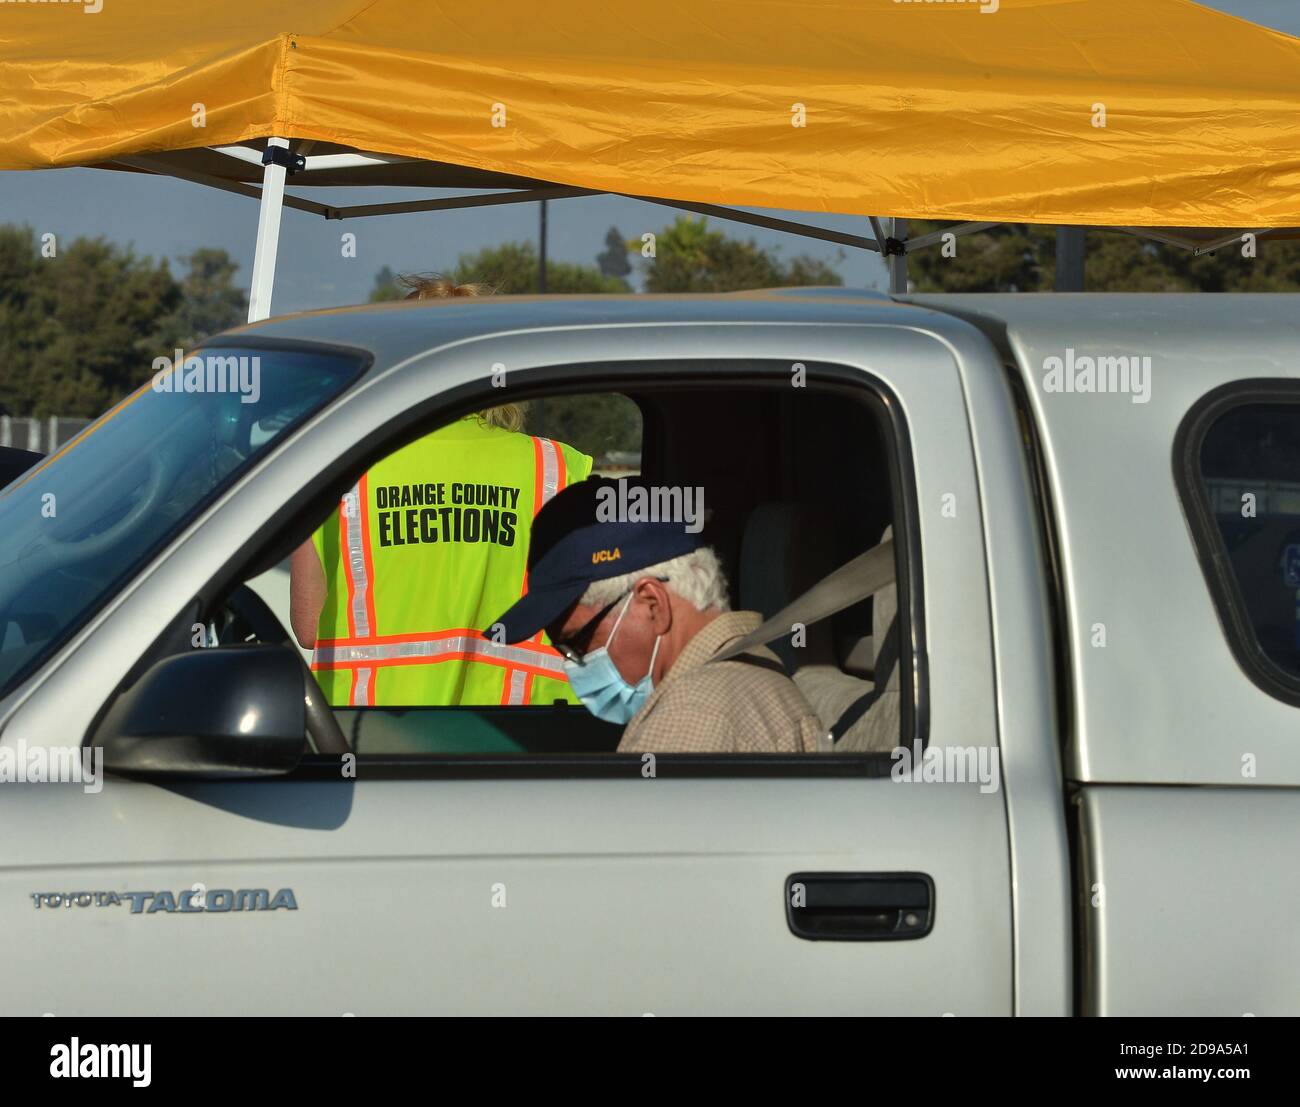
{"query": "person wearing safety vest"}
{"type": "Point", "coordinates": [393, 591]}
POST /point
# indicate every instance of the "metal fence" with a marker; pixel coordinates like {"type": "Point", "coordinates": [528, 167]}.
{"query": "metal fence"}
{"type": "Point", "coordinates": [41, 435]}
{"type": "Point", "coordinates": [1272, 497]}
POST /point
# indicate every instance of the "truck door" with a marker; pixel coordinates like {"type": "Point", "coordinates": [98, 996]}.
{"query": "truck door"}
{"type": "Point", "coordinates": [413, 879]}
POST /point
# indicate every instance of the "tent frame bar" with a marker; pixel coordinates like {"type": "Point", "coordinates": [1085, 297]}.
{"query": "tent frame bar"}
{"type": "Point", "coordinates": [272, 199]}
{"type": "Point", "coordinates": [527, 195]}
{"type": "Point", "coordinates": [1195, 248]}
{"type": "Point", "coordinates": [548, 192]}
{"type": "Point", "coordinates": [239, 188]}
{"type": "Point", "coordinates": [532, 195]}
{"type": "Point", "coordinates": [934, 237]}
{"type": "Point", "coordinates": [357, 160]}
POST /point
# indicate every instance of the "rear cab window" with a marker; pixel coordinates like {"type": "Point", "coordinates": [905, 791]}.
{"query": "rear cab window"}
{"type": "Point", "coordinates": [1237, 462]}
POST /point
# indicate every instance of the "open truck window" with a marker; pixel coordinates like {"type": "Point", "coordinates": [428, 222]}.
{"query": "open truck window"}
{"type": "Point", "coordinates": [789, 483]}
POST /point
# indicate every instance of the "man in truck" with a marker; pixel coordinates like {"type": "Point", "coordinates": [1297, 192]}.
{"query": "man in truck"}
{"type": "Point", "coordinates": [638, 609]}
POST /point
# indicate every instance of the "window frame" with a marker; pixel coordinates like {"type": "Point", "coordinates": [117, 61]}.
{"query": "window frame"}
{"type": "Point", "coordinates": [1207, 541]}
{"type": "Point", "coordinates": [632, 379]}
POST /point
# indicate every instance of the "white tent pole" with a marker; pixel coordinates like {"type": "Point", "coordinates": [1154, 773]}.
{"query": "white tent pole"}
{"type": "Point", "coordinates": [268, 236]}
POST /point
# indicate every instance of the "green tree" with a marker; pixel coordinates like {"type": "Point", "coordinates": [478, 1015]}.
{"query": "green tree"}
{"type": "Point", "coordinates": [1010, 258]}
{"type": "Point", "coordinates": [210, 300]}
{"type": "Point", "coordinates": [1022, 258]}
{"type": "Point", "coordinates": [613, 259]}
{"type": "Point", "coordinates": [597, 423]}
{"type": "Point", "coordinates": [386, 287]}
{"type": "Point", "coordinates": [80, 329]}
{"type": "Point", "coordinates": [511, 269]}
{"type": "Point", "coordinates": [508, 269]}
{"type": "Point", "coordinates": [691, 257]}
{"type": "Point", "coordinates": [20, 319]}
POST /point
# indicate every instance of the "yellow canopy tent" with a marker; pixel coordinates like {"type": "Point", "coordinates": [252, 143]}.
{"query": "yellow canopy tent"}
{"type": "Point", "coordinates": [1130, 113]}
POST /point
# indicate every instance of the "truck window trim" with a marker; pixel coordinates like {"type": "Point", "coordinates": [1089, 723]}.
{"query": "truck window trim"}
{"type": "Point", "coordinates": [1211, 553]}
{"type": "Point", "coordinates": [629, 378]}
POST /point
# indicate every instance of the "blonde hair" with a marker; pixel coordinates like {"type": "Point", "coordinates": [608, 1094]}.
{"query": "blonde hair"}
{"type": "Point", "coordinates": [433, 286]}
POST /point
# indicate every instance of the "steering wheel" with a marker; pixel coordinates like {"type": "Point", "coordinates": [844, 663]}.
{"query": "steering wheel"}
{"type": "Point", "coordinates": [322, 727]}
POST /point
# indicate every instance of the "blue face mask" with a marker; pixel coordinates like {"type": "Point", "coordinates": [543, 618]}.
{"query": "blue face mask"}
{"type": "Point", "coordinates": [601, 687]}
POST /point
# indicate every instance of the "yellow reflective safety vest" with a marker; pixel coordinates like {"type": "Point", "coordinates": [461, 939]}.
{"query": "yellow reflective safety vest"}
{"type": "Point", "coordinates": [422, 554]}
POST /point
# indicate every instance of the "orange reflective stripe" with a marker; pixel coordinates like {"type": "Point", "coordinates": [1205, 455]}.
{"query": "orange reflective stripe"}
{"type": "Point", "coordinates": [356, 555]}
{"type": "Point", "coordinates": [354, 539]}
{"type": "Point", "coordinates": [452, 632]}
{"type": "Point", "coordinates": [345, 511]}
{"type": "Point", "coordinates": [516, 685]}
{"type": "Point", "coordinates": [548, 478]}
{"type": "Point", "coordinates": [336, 666]}
{"type": "Point", "coordinates": [519, 679]}
{"type": "Point", "coordinates": [443, 647]}
{"type": "Point", "coordinates": [561, 470]}
{"type": "Point", "coordinates": [369, 557]}
{"type": "Point", "coordinates": [550, 458]}
{"type": "Point", "coordinates": [361, 691]}
{"type": "Point", "coordinates": [539, 468]}
{"type": "Point", "coordinates": [549, 474]}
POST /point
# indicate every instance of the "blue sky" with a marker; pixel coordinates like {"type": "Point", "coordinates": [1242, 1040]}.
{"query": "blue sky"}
{"type": "Point", "coordinates": [168, 218]}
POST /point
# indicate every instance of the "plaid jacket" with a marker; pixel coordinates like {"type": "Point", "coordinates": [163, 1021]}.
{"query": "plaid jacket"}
{"type": "Point", "coordinates": [738, 706]}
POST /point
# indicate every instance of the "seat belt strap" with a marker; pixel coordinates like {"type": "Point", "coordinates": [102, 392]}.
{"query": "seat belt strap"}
{"type": "Point", "coordinates": [885, 664]}
{"type": "Point", "coordinates": [853, 581]}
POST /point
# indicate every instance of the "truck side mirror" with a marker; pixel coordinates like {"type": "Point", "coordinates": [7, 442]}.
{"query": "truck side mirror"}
{"type": "Point", "coordinates": [221, 712]}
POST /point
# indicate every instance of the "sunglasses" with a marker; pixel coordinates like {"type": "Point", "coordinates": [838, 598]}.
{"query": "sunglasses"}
{"type": "Point", "coordinates": [574, 648]}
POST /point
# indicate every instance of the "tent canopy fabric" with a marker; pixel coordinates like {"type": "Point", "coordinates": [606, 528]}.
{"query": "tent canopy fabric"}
{"type": "Point", "coordinates": [965, 110]}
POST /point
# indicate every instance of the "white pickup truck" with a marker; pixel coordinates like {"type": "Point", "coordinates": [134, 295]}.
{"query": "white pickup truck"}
{"type": "Point", "coordinates": [1077, 791]}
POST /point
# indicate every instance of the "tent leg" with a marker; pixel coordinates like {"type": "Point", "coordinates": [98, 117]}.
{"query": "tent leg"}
{"type": "Point", "coordinates": [268, 237]}
{"type": "Point", "coordinates": [898, 262]}
{"type": "Point", "coordinates": [1070, 252]}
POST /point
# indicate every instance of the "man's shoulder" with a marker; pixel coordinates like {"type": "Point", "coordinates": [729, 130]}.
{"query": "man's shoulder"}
{"type": "Point", "coordinates": [727, 706]}
{"type": "Point", "coordinates": [760, 667]}
{"type": "Point", "coordinates": [736, 682]}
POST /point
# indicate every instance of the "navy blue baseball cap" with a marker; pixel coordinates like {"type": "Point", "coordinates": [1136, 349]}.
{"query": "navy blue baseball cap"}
{"type": "Point", "coordinates": [581, 536]}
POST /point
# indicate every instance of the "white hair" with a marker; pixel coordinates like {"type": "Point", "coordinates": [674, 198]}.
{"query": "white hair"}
{"type": "Point", "coordinates": [696, 577]}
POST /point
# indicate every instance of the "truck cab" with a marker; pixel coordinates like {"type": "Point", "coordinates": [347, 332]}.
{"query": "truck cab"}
{"type": "Point", "coordinates": [1078, 768]}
